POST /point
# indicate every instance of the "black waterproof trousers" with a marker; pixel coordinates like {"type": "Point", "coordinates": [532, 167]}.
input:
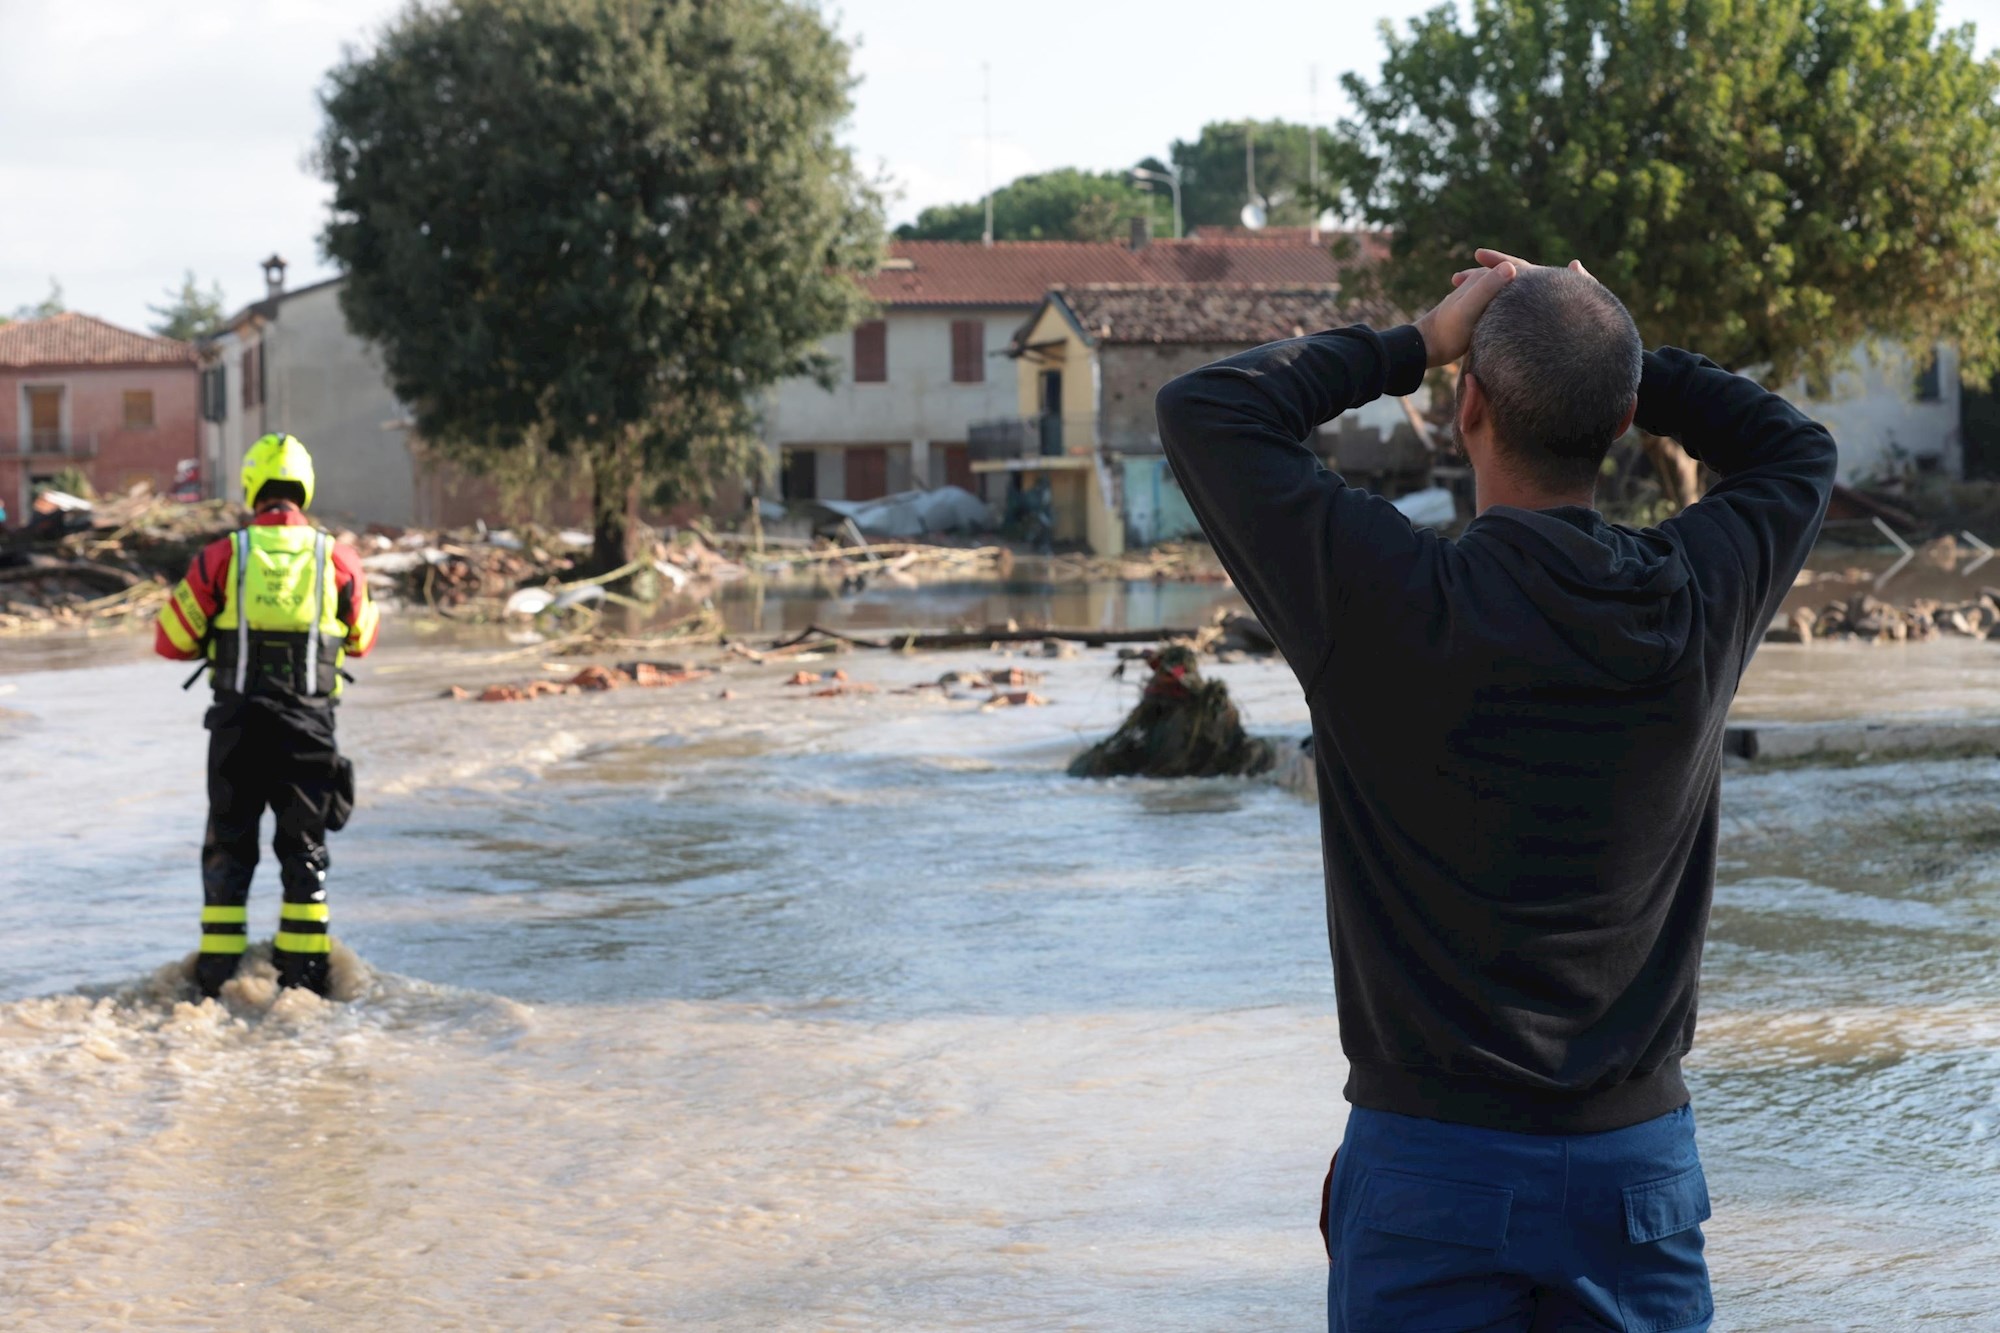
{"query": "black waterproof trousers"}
{"type": "Point", "coordinates": [278, 754]}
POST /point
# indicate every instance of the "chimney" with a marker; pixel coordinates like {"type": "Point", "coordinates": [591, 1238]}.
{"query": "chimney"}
{"type": "Point", "coordinates": [274, 277]}
{"type": "Point", "coordinates": [1142, 233]}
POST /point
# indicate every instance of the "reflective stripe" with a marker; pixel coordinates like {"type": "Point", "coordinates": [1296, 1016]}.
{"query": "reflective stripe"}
{"type": "Point", "coordinates": [291, 942]}
{"type": "Point", "coordinates": [224, 943]}
{"type": "Point", "coordinates": [303, 912]}
{"type": "Point", "coordinates": [362, 637]}
{"type": "Point", "coordinates": [242, 611]}
{"type": "Point", "coordinates": [176, 630]}
{"type": "Point", "coordinates": [319, 611]}
{"type": "Point", "coordinates": [190, 605]}
{"type": "Point", "coordinates": [225, 915]}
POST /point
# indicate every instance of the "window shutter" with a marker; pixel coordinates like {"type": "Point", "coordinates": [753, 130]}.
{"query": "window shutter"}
{"type": "Point", "coordinates": [968, 351]}
{"type": "Point", "coordinates": [871, 352]}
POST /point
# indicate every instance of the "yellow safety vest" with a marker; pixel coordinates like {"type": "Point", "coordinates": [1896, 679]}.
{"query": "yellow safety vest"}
{"type": "Point", "coordinates": [292, 640]}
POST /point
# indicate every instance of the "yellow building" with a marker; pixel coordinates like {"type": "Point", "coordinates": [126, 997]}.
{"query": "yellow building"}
{"type": "Point", "coordinates": [1088, 363]}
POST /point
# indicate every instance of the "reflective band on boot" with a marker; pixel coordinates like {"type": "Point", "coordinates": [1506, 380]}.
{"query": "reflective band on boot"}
{"type": "Point", "coordinates": [225, 930]}
{"type": "Point", "coordinates": [302, 928]}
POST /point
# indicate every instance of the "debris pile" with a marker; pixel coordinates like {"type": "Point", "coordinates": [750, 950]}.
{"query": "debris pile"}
{"type": "Point", "coordinates": [92, 564]}
{"type": "Point", "coordinates": [1183, 726]}
{"type": "Point", "coordinates": [1871, 618]}
{"type": "Point", "coordinates": [640, 675]}
{"type": "Point", "coordinates": [1179, 562]}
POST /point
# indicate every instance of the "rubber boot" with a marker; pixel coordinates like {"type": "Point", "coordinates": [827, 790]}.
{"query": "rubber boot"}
{"type": "Point", "coordinates": [302, 944]}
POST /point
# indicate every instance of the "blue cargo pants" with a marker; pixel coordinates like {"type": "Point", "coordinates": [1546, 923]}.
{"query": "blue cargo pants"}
{"type": "Point", "coordinates": [1439, 1228]}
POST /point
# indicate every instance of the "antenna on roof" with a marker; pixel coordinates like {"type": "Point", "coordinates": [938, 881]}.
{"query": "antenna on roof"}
{"type": "Point", "coordinates": [986, 74]}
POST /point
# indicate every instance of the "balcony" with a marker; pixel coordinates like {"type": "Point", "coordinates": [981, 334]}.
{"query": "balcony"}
{"type": "Point", "coordinates": [50, 444]}
{"type": "Point", "coordinates": [1016, 437]}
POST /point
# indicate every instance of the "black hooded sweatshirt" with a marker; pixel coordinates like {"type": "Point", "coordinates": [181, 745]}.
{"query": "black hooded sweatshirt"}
{"type": "Point", "coordinates": [1518, 733]}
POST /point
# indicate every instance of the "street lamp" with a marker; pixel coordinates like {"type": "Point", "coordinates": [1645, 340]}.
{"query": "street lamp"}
{"type": "Point", "coordinates": [1173, 179]}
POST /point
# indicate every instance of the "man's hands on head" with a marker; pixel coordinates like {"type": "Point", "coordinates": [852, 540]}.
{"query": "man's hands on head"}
{"type": "Point", "coordinates": [1447, 328]}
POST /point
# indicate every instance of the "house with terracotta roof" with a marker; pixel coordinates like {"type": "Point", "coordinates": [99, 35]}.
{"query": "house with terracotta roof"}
{"type": "Point", "coordinates": [910, 384]}
{"type": "Point", "coordinates": [79, 392]}
{"type": "Point", "coordinates": [1102, 462]}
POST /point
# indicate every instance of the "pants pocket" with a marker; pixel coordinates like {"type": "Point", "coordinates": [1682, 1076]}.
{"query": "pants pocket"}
{"type": "Point", "coordinates": [1663, 1286]}
{"type": "Point", "coordinates": [1423, 1256]}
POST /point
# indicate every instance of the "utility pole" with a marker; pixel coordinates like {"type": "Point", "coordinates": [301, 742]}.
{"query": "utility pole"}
{"type": "Point", "coordinates": [986, 75]}
{"type": "Point", "coordinates": [1312, 150]}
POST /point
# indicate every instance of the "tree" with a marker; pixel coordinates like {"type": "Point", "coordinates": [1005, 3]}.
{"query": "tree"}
{"type": "Point", "coordinates": [189, 313]}
{"type": "Point", "coordinates": [1062, 205]}
{"type": "Point", "coordinates": [593, 230]}
{"type": "Point", "coordinates": [52, 304]}
{"type": "Point", "coordinates": [1215, 178]}
{"type": "Point", "coordinates": [1770, 184]}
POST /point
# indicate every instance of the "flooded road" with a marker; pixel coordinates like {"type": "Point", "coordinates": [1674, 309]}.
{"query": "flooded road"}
{"type": "Point", "coordinates": [779, 1012]}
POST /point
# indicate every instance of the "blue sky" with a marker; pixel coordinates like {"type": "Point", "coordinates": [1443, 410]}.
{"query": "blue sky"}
{"type": "Point", "coordinates": [140, 139]}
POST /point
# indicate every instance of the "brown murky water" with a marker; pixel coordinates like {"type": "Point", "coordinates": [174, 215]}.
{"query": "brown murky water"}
{"type": "Point", "coordinates": [794, 1013]}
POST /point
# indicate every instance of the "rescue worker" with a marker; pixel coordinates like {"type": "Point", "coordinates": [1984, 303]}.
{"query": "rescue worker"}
{"type": "Point", "coordinates": [274, 610]}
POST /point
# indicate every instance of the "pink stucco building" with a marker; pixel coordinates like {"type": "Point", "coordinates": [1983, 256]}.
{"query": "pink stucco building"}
{"type": "Point", "coordinates": [77, 392]}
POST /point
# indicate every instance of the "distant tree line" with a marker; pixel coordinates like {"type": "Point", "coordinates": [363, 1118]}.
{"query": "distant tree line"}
{"type": "Point", "coordinates": [1216, 169]}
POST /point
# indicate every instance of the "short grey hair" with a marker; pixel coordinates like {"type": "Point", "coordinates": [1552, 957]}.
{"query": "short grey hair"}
{"type": "Point", "coordinates": [1558, 358]}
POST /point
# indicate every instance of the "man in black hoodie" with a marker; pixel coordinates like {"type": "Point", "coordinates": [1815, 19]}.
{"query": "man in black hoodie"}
{"type": "Point", "coordinates": [1519, 744]}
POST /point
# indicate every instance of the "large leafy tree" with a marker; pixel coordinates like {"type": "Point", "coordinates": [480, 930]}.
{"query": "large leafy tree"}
{"type": "Point", "coordinates": [1215, 172]}
{"type": "Point", "coordinates": [1770, 184]}
{"type": "Point", "coordinates": [190, 312]}
{"type": "Point", "coordinates": [592, 230]}
{"type": "Point", "coordinates": [1062, 205]}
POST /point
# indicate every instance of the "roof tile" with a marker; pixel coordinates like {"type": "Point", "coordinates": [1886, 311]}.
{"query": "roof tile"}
{"type": "Point", "coordinates": [71, 339]}
{"type": "Point", "coordinates": [1243, 315]}
{"type": "Point", "coordinates": [1020, 273]}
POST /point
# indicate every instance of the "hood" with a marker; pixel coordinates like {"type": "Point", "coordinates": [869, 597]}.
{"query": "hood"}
{"type": "Point", "coordinates": [1621, 600]}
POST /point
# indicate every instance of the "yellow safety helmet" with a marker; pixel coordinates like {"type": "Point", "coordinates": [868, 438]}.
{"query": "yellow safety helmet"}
{"type": "Point", "coordinates": [277, 458]}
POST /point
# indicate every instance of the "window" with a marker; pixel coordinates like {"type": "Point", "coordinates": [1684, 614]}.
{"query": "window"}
{"type": "Point", "coordinates": [253, 375]}
{"type": "Point", "coordinates": [871, 353]}
{"type": "Point", "coordinates": [138, 409]}
{"type": "Point", "coordinates": [800, 479]}
{"type": "Point", "coordinates": [215, 394]}
{"type": "Point", "coordinates": [1927, 388]}
{"type": "Point", "coordinates": [968, 351]}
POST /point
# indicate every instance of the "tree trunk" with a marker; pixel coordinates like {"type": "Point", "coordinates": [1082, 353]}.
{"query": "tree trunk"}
{"type": "Point", "coordinates": [1680, 475]}
{"type": "Point", "coordinates": [614, 511]}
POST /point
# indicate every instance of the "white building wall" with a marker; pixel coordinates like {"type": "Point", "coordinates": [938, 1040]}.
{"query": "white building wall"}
{"type": "Point", "coordinates": [225, 442]}
{"type": "Point", "coordinates": [327, 387]}
{"type": "Point", "coordinates": [1876, 419]}
{"type": "Point", "coordinates": [918, 406]}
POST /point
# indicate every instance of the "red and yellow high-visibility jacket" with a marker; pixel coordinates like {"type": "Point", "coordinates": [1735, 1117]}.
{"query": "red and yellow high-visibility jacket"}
{"type": "Point", "coordinates": [182, 629]}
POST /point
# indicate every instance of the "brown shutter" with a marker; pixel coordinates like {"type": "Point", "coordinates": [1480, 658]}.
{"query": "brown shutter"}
{"type": "Point", "coordinates": [871, 352]}
{"type": "Point", "coordinates": [968, 351]}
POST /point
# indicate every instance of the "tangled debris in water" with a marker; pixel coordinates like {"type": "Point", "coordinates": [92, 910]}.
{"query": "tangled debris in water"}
{"type": "Point", "coordinates": [1867, 617]}
{"type": "Point", "coordinates": [1182, 727]}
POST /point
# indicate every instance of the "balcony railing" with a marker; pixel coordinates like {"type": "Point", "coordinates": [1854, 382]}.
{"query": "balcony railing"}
{"type": "Point", "coordinates": [50, 444]}
{"type": "Point", "coordinates": [1016, 437]}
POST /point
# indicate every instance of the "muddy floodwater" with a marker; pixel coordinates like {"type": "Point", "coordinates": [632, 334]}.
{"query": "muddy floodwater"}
{"type": "Point", "coordinates": [782, 1012]}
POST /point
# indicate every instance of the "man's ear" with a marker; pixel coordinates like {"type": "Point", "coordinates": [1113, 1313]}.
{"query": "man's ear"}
{"type": "Point", "coordinates": [1625, 422]}
{"type": "Point", "coordinates": [1471, 404]}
